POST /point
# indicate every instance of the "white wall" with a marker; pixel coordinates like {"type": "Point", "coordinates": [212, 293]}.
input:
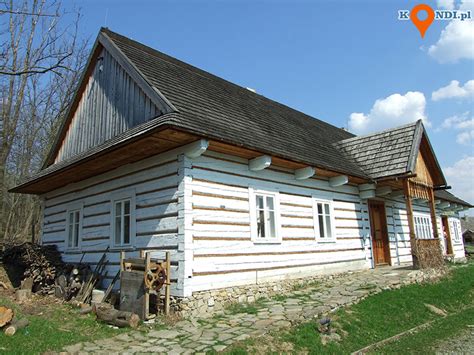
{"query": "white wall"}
{"type": "Point", "coordinates": [218, 222]}
{"type": "Point", "coordinates": [199, 211]}
{"type": "Point", "coordinates": [156, 184]}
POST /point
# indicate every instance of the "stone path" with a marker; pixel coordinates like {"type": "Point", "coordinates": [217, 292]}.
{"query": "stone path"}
{"type": "Point", "coordinates": [239, 323]}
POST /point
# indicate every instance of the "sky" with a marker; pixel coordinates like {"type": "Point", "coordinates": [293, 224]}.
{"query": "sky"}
{"type": "Point", "coordinates": [350, 63]}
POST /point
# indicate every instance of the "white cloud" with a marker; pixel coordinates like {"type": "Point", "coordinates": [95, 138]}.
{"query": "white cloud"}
{"type": "Point", "coordinates": [456, 40]}
{"type": "Point", "coordinates": [465, 138]}
{"type": "Point", "coordinates": [464, 123]}
{"type": "Point", "coordinates": [459, 122]}
{"type": "Point", "coordinates": [394, 110]}
{"type": "Point", "coordinates": [446, 4]}
{"type": "Point", "coordinates": [461, 177]}
{"type": "Point", "coordinates": [454, 90]}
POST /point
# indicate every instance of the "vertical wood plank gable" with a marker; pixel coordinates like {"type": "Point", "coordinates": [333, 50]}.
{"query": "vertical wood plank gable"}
{"type": "Point", "coordinates": [110, 104]}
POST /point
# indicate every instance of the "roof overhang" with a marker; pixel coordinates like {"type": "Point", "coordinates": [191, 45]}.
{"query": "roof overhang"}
{"type": "Point", "coordinates": [156, 136]}
{"type": "Point", "coordinates": [138, 143]}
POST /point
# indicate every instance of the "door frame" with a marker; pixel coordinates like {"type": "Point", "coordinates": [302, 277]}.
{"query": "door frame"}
{"type": "Point", "coordinates": [386, 240]}
{"type": "Point", "coordinates": [449, 243]}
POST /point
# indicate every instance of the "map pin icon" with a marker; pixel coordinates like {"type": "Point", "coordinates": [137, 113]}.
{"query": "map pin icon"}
{"type": "Point", "coordinates": [422, 25]}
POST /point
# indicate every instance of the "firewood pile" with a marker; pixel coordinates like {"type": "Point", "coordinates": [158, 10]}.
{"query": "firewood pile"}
{"type": "Point", "coordinates": [41, 270]}
{"type": "Point", "coordinates": [40, 263]}
{"type": "Point", "coordinates": [71, 281]}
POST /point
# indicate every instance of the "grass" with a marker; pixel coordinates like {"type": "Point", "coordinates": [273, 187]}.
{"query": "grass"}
{"type": "Point", "coordinates": [389, 313]}
{"type": "Point", "coordinates": [444, 328]}
{"type": "Point", "coordinates": [51, 330]}
{"type": "Point", "coordinates": [249, 308]}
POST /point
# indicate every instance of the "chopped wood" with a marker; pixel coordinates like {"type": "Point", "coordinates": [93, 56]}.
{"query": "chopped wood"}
{"type": "Point", "coordinates": [15, 326]}
{"type": "Point", "coordinates": [105, 312]}
{"type": "Point", "coordinates": [6, 315]}
{"type": "Point", "coordinates": [70, 283]}
{"type": "Point", "coordinates": [39, 263]}
{"type": "Point", "coordinates": [44, 272]}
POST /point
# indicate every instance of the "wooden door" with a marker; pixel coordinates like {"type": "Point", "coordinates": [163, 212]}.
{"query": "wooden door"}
{"type": "Point", "coordinates": [447, 236]}
{"type": "Point", "coordinates": [378, 228]}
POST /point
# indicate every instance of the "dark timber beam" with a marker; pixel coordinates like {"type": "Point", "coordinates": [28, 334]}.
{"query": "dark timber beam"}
{"type": "Point", "coordinates": [411, 221]}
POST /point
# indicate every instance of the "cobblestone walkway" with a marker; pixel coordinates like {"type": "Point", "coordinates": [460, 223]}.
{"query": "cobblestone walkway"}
{"type": "Point", "coordinates": [312, 300]}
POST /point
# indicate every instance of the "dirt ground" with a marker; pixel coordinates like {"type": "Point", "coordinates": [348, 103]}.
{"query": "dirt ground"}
{"type": "Point", "coordinates": [461, 344]}
{"type": "Point", "coordinates": [36, 305]}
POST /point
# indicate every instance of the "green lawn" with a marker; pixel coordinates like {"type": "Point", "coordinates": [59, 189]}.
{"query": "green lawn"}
{"type": "Point", "coordinates": [387, 314]}
{"type": "Point", "coordinates": [52, 328]}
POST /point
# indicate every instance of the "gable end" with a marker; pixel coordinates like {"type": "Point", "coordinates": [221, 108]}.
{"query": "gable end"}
{"type": "Point", "coordinates": [112, 98]}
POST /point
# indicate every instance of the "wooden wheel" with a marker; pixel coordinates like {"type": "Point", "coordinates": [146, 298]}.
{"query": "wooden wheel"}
{"type": "Point", "coordinates": [155, 279]}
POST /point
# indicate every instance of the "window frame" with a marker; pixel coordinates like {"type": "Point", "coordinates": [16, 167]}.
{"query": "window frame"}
{"type": "Point", "coordinates": [253, 193]}
{"type": "Point", "coordinates": [317, 236]}
{"type": "Point", "coordinates": [78, 207]}
{"type": "Point", "coordinates": [455, 231]}
{"type": "Point", "coordinates": [423, 226]}
{"type": "Point", "coordinates": [121, 197]}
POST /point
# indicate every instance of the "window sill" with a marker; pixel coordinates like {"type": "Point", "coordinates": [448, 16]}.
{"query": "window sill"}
{"type": "Point", "coordinates": [319, 240]}
{"type": "Point", "coordinates": [266, 241]}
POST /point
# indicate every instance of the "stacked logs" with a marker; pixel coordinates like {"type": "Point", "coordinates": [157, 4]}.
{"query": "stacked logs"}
{"type": "Point", "coordinates": [71, 281]}
{"type": "Point", "coordinates": [40, 263]}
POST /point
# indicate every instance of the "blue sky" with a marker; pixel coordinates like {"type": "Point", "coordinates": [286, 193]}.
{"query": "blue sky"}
{"type": "Point", "coordinates": [330, 59]}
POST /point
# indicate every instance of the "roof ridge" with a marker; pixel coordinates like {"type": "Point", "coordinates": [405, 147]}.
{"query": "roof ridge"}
{"type": "Point", "coordinates": [207, 75]}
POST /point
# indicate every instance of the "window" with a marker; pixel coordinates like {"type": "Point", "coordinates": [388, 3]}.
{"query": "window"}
{"type": "Point", "coordinates": [264, 216]}
{"type": "Point", "coordinates": [423, 227]}
{"type": "Point", "coordinates": [323, 224]}
{"type": "Point", "coordinates": [122, 222]}
{"type": "Point", "coordinates": [73, 228]}
{"type": "Point", "coordinates": [456, 231]}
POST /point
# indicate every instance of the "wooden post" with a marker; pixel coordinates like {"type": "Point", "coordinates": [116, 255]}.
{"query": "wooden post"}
{"type": "Point", "coordinates": [147, 291]}
{"type": "Point", "coordinates": [167, 285]}
{"type": "Point", "coordinates": [411, 222]}
{"type": "Point", "coordinates": [433, 214]}
{"type": "Point", "coordinates": [122, 258]}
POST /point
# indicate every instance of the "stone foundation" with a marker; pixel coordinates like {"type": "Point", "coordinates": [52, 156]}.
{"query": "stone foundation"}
{"type": "Point", "coordinates": [208, 303]}
{"type": "Point", "coordinates": [204, 304]}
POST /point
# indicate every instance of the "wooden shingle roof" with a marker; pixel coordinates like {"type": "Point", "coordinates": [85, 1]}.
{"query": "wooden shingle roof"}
{"type": "Point", "coordinates": [205, 105]}
{"type": "Point", "coordinates": [448, 196]}
{"type": "Point", "coordinates": [213, 107]}
{"type": "Point", "coordinates": [385, 153]}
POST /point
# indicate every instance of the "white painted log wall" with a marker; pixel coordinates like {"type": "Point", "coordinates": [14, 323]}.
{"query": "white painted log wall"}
{"type": "Point", "coordinates": [156, 182]}
{"type": "Point", "coordinates": [198, 209]}
{"type": "Point", "coordinates": [398, 231]}
{"type": "Point", "coordinates": [222, 251]}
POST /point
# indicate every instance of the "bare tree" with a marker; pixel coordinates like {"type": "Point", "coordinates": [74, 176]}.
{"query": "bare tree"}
{"type": "Point", "coordinates": [40, 60]}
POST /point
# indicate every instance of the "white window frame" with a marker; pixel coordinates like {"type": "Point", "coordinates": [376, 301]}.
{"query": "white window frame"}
{"type": "Point", "coordinates": [121, 197]}
{"type": "Point", "coordinates": [317, 235]}
{"type": "Point", "coordinates": [253, 193]}
{"type": "Point", "coordinates": [456, 232]}
{"type": "Point", "coordinates": [78, 207]}
{"type": "Point", "coordinates": [423, 226]}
